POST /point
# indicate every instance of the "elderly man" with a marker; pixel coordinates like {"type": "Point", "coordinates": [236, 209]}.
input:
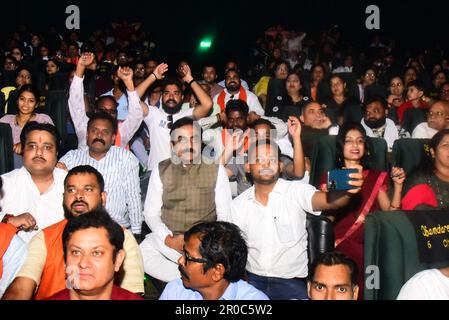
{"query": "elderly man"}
{"type": "Point", "coordinates": [437, 119]}
{"type": "Point", "coordinates": [44, 266]}
{"type": "Point", "coordinates": [212, 266]}
{"type": "Point", "coordinates": [182, 191]}
{"type": "Point", "coordinates": [33, 194]}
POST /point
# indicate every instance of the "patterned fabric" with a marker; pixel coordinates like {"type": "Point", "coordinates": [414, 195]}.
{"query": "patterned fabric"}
{"type": "Point", "coordinates": [184, 206]}
{"type": "Point", "coordinates": [120, 170]}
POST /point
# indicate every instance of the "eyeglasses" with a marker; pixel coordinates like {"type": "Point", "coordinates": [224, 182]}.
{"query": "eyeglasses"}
{"type": "Point", "coordinates": [188, 258]}
{"type": "Point", "coordinates": [435, 114]}
{"type": "Point", "coordinates": [170, 121]}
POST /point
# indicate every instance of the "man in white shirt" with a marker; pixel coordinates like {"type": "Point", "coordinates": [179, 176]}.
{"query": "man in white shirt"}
{"type": "Point", "coordinates": [272, 214]}
{"type": "Point", "coordinates": [232, 65]}
{"type": "Point", "coordinates": [235, 90]}
{"type": "Point", "coordinates": [119, 167]}
{"type": "Point", "coordinates": [437, 119]}
{"type": "Point", "coordinates": [376, 123]}
{"type": "Point", "coordinates": [33, 194]}
{"type": "Point", "coordinates": [126, 128]}
{"type": "Point", "coordinates": [160, 120]}
{"type": "Point", "coordinates": [182, 191]}
{"type": "Point", "coordinates": [431, 284]}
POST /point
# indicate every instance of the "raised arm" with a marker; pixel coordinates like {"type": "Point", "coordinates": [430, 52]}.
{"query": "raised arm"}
{"type": "Point", "coordinates": [294, 130]}
{"type": "Point", "coordinates": [205, 105]}
{"type": "Point", "coordinates": [333, 200]}
{"type": "Point", "coordinates": [135, 113]}
{"type": "Point", "coordinates": [157, 74]}
{"type": "Point", "coordinates": [76, 98]}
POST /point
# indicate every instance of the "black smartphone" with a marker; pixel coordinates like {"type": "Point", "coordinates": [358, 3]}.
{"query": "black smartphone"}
{"type": "Point", "coordinates": [338, 179]}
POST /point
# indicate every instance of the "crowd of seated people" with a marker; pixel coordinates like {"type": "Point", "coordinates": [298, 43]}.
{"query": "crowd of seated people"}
{"type": "Point", "coordinates": [160, 148]}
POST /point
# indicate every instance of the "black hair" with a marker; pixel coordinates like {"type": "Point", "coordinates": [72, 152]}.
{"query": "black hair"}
{"type": "Point", "coordinates": [334, 258]}
{"type": "Point", "coordinates": [262, 121]}
{"type": "Point", "coordinates": [102, 98]}
{"type": "Point", "coordinates": [418, 84]}
{"type": "Point", "coordinates": [278, 63]}
{"type": "Point", "coordinates": [171, 81]}
{"type": "Point", "coordinates": [85, 169]}
{"type": "Point", "coordinates": [237, 105]}
{"type": "Point", "coordinates": [232, 70]}
{"type": "Point", "coordinates": [36, 126]}
{"type": "Point", "coordinates": [56, 62]}
{"type": "Point", "coordinates": [341, 137]}
{"type": "Point", "coordinates": [97, 218]}
{"type": "Point", "coordinates": [185, 121]}
{"type": "Point", "coordinates": [101, 115]}
{"type": "Point", "coordinates": [381, 100]}
{"type": "Point", "coordinates": [29, 88]}
{"type": "Point", "coordinates": [11, 57]}
{"type": "Point", "coordinates": [437, 138]}
{"type": "Point", "coordinates": [20, 68]}
{"type": "Point", "coordinates": [263, 142]}
{"type": "Point", "coordinates": [221, 242]}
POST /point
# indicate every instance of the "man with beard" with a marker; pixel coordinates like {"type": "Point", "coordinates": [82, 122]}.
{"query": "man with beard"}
{"type": "Point", "coordinates": [133, 118]}
{"type": "Point", "coordinates": [119, 167]}
{"type": "Point", "coordinates": [33, 193]}
{"type": "Point", "coordinates": [160, 120]}
{"type": "Point", "coordinates": [210, 76]}
{"type": "Point", "coordinates": [376, 123]}
{"type": "Point", "coordinates": [235, 90]}
{"type": "Point", "coordinates": [272, 214]}
{"type": "Point", "coordinates": [44, 266]}
{"type": "Point", "coordinates": [182, 191]}
{"type": "Point", "coordinates": [212, 266]}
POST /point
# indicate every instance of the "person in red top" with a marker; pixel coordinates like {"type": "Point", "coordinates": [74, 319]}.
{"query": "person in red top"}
{"type": "Point", "coordinates": [93, 252]}
{"type": "Point", "coordinates": [415, 98]}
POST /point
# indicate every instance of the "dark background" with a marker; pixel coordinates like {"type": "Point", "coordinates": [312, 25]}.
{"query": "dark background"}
{"type": "Point", "coordinates": [178, 26]}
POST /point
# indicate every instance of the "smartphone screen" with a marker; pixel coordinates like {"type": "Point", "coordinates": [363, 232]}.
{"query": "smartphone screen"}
{"type": "Point", "coordinates": [338, 179]}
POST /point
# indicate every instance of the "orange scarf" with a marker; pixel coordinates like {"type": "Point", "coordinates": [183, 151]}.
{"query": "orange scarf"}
{"type": "Point", "coordinates": [222, 96]}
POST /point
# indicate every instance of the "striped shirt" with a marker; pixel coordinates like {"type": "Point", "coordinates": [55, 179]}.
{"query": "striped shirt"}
{"type": "Point", "coordinates": [120, 170]}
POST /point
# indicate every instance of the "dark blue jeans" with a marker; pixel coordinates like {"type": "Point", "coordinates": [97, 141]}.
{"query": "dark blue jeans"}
{"type": "Point", "coordinates": [280, 289]}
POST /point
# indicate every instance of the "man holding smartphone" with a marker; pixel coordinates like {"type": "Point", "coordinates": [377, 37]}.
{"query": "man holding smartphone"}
{"type": "Point", "coordinates": [272, 214]}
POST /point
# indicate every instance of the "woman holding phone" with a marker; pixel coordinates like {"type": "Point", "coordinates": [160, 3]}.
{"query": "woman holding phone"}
{"type": "Point", "coordinates": [349, 221]}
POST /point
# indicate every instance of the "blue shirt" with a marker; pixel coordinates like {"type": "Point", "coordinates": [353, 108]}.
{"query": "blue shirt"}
{"type": "Point", "coordinates": [240, 290]}
{"type": "Point", "coordinates": [12, 261]}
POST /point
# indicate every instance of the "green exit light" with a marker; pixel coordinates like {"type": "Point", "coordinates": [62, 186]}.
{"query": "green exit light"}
{"type": "Point", "coordinates": [206, 44]}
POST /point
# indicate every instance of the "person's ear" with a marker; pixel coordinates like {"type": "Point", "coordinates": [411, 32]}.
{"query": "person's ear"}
{"type": "Point", "coordinates": [309, 287]}
{"type": "Point", "coordinates": [301, 117]}
{"type": "Point", "coordinates": [432, 153]}
{"type": "Point", "coordinates": [104, 195]}
{"type": "Point", "coordinates": [281, 166]}
{"type": "Point", "coordinates": [119, 258]}
{"type": "Point", "coordinates": [386, 112]}
{"type": "Point", "coordinates": [355, 290]}
{"type": "Point", "coordinates": [218, 272]}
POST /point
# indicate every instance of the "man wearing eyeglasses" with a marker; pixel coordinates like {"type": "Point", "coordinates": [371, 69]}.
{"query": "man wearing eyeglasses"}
{"type": "Point", "coordinates": [437, 119]}
{"type": "Point", "coordinates": [182, 191]}
{"type": "Point", "coordinates": [160, 120]}
{"type": "Point", "coordinates": [212, 266]}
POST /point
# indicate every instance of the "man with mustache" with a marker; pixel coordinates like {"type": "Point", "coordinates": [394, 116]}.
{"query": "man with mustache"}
{"type": "Point", "coordinates": [182, 191]}
{"type": "Point", "coordinates": [235, 90]}
{"type": "Point", "coordinates": [134, 116]}
{"type": "Point", "coordinates": [44, 266]}
{"type": "Point", "coordinates": [272, 214]}
{"type": "Point", "coordinates": [376, 123]}
{"type": "Point", "coordinates": [33, 192]}
{"type": "Point", "coordinates": [119, 167]}
{"type": "Point", "coordinates": [212, 266]}
{"type": "Point", "coordinates": [160, 120]}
